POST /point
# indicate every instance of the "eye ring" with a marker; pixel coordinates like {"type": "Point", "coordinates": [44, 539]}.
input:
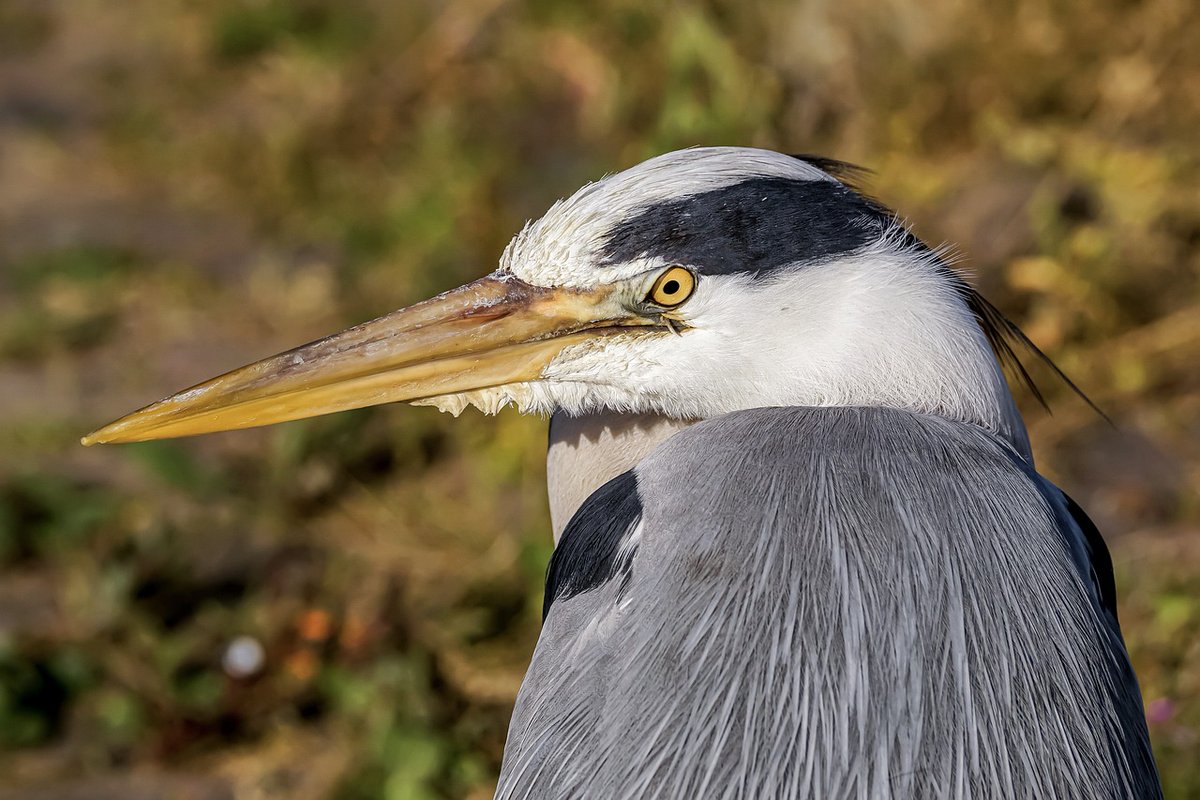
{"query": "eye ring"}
{"type": "Point", "coordinates": [672, 287]}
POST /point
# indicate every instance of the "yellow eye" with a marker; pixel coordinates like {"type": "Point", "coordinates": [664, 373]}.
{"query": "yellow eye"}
{"type": "Point", "coordinates": [672, 287]}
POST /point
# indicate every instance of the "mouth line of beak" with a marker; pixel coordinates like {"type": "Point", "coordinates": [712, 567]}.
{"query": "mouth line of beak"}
{"type": "Point", "coordinates": [371, 387]}
{"type": "Point", "coordinates": [466, 358]}
{"type": "Point", "coordinates": [486, 334]}
{"type": "Point", "coordinates": [447, 361]}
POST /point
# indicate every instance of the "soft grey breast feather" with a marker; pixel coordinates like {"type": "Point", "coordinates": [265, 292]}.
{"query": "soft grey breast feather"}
{"type": "Point", "coordinates": [835, 603]}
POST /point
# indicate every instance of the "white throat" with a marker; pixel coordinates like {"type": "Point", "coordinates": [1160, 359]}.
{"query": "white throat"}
{"type": "Point", "coordinates": [588, 451]}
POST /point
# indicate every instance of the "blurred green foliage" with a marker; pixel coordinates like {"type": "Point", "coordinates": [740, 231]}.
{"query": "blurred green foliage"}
{"type": "Point", "coordinates": [187, 186]}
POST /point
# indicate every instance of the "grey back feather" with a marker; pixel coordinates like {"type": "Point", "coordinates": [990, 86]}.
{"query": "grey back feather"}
{"type": "Point", "coordinates": [828, 603]}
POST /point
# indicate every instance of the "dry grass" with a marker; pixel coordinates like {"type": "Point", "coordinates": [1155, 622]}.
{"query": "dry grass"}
{"type": "Point", "coordinates": [186, 186]}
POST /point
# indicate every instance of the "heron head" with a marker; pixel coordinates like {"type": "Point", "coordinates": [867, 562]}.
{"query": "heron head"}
{"type": "Point", "coordinates": [693, 284]}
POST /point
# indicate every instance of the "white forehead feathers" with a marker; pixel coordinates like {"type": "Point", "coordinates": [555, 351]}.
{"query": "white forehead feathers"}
{"type": "Point", "coordinates": [561, 248]}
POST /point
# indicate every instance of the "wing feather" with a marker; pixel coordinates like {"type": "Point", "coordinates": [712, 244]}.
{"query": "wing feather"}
{"type": "Point", "coordinates": [833, 603]}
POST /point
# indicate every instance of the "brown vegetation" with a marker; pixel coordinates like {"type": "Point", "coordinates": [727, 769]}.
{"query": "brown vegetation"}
{"type": "Point", "coordinates": [187, 186]}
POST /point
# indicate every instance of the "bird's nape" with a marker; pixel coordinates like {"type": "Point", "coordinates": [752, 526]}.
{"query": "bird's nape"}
{"type": "Point", "coordinates": [1007, 340]}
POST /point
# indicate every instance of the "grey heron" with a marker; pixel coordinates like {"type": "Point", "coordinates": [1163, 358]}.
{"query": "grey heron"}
{"type": "Point", "coordinates": [801, 547]}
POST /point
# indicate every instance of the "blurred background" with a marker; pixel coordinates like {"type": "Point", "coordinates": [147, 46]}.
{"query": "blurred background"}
{"type": "Point", "coordinates": [343, 608]}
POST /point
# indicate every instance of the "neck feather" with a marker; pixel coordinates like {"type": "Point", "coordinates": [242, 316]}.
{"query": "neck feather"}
{"type": "Point", "coordinates": [587, 451]}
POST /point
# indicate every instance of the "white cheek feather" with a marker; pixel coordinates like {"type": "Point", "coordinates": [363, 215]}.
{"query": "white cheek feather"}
{"type": "Point", "coordinates": [882, 328]}
{"type": "Point", "coordinates": [886, 326]}
{"type": "Point", "coordinates": [879, 329]}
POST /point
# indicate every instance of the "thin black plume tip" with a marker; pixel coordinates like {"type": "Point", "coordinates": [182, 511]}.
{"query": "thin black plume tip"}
{"type": "Point", "coordinates": [1002, 334]}
{"type": "Point", "coordinates": [852, 175]}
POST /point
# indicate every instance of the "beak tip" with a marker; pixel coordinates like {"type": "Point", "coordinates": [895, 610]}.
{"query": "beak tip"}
{"type": "Point", "coordinates": [102, 435]}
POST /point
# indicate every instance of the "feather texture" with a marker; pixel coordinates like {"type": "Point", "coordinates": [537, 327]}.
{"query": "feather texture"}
{"type": "Point", "coordinates": [835, 602]}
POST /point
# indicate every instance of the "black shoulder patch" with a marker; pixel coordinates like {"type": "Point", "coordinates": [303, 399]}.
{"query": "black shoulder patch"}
{"type": "Point", "coordinates": [589, 552]}
{"type": "Point", "coordinates": [1102, 565]}
{"type": "Point", "coordinates": [1067, 511]}
{"type": "Point", "coordinates": [754, 226]}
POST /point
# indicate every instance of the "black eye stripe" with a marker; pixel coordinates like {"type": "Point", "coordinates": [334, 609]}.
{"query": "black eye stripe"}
{"type": "Point", "coordinates": [755, 226]}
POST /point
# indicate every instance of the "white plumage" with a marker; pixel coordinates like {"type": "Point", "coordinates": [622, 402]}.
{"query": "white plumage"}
{"type": "Point", "coordinates": [807, 553]}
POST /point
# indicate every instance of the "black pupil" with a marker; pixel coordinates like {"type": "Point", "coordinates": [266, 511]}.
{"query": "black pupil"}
{"type": "Point", "coordinates": [670, 287]}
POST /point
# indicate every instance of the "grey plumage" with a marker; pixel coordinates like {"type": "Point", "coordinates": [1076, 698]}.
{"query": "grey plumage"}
{"type": "Point", "coordinates": [834, 602]}
{"type": "Point", "coordinates": [846, 581]}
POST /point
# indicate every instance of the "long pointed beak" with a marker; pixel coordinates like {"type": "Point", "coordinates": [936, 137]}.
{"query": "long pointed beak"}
{"type": "Point", "coordinates": [494, 331]}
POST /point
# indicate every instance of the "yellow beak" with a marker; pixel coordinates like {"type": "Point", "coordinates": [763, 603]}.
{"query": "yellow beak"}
{"type": "Point", "coordinates": [494, 331]}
